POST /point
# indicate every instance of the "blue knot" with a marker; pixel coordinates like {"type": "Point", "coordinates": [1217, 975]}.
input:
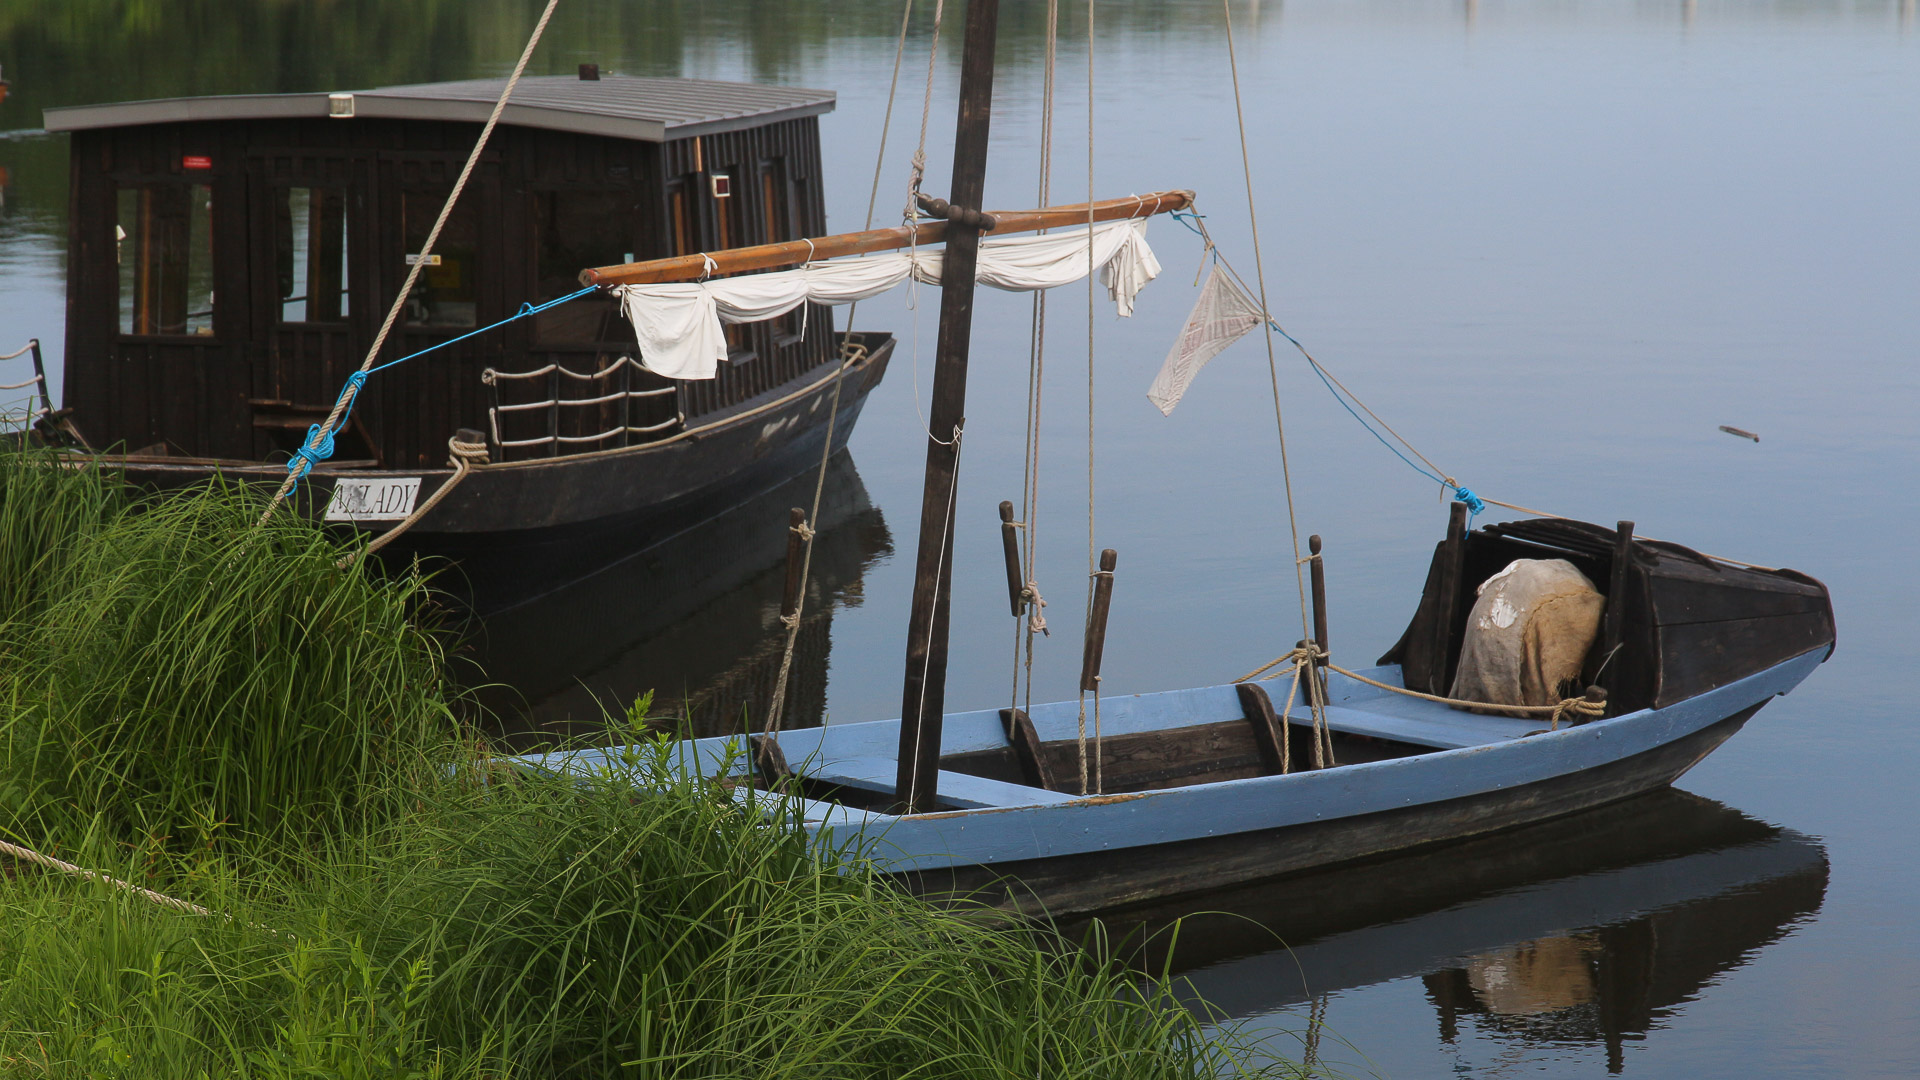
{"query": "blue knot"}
{"type": "Point", "coordinates": [1474, 503]}
{"type": "Point", "coordinates": [526, 309]}
{"type": "Point", "coordinates": [310, 452]}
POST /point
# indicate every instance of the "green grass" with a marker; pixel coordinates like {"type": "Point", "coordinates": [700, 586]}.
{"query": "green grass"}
{"type": "Point", "coordinates": [177, 672]}
{"type": "Point", "coordinates": [212, 709]}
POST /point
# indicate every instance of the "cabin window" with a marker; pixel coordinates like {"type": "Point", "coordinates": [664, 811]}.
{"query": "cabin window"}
{"type": "Point", "coordinates": [574, 230]}
{"type": "Point", "coordinates": [164, 244]}
{"type": "Point", "coordinates": [310, 254]}
{"type": "Point", "coordinates": [447, 292]}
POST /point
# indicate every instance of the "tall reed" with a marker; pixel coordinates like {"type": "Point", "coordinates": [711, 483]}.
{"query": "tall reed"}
{"type": "Point", "coordinates": [534, 925]}
{"type": "Point", "coordinates": [189, 672]}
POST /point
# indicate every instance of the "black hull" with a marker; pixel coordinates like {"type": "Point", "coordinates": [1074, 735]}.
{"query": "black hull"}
{"type": "Point", "coordinates": [521, 529]}
{"type": "Point", "coordinates": [1102, 880]}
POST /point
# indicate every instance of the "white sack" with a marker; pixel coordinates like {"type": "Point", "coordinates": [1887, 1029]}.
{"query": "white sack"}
{"type": "Point", "coordinates": [1222, 315]}
{"type": "Point", "coordinates": [1528, 634]}
{"type": "Point", "coordinates": [678, 325]}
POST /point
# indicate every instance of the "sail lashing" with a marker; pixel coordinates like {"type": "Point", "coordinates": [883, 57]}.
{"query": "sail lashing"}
{"type": "Point", "coordinates": [679, 326]}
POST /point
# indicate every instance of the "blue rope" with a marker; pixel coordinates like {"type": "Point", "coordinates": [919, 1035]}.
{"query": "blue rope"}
{"type": "Point", "coordinates": [1474, 503]}
{"type": "Point", "coordinates": [309, 454]}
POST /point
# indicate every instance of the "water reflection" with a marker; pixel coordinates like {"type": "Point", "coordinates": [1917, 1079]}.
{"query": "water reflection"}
{"type": "Point", "coordinates": [1586, 932]}
{"type": "Point", "coordinates": [695, 618]}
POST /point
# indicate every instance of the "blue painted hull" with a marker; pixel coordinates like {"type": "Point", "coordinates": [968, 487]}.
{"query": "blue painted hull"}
{"type": "Point", "coordinates": [1037, 849]}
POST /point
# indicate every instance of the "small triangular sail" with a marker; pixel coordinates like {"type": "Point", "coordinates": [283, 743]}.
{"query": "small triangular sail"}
{"type": "Point", "coordinates": [678, 325]}
{"type": "Point", "coordinates": [1221, 316]}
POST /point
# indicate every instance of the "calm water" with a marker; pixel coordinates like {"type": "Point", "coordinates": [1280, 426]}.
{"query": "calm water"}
{"type": "Point", "coordinates": [1555, 243]}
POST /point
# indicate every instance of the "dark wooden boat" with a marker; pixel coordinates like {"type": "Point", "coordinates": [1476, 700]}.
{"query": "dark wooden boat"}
{"type": "Point", "coordinates": [230, 260]}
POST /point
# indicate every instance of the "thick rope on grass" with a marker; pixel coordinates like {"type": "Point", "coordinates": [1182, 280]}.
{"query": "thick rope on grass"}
{"type": "Point", "coordinates": [51, 863]}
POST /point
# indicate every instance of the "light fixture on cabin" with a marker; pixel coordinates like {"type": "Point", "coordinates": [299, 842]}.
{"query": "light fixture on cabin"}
{"type": "Point", "coordinates": [340, 105]}
{"type": "Point", "coordinates": [722, 185]}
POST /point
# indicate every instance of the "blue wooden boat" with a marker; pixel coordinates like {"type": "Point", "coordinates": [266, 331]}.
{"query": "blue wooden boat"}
{"type": "Point", "coordinates": [1194, 789]}
{"type": "Point", "coordinates": [1191, 803]}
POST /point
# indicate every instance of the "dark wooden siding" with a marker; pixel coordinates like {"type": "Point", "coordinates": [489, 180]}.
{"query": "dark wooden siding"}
{"type": "Point", "coordinates": [248, 390]}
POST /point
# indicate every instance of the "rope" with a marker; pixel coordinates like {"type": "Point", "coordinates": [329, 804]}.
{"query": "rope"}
{"type": "Point", "coordinates": [320, 436]}
{"type": "Point", "coordinates": [463, 456]}
{"type": "Point", "coordinates": [933, 612]}
{"type": "Point", "coordinates": [850, 354]}
{"type": "Point", "coordinates": [1093, 568]}
{"type": "Point", "coordinates": [51, 863]}
{"type": "Point", "coordinates": [1036, 622]}
{"type": "Point", "coordinates": [1273, 367]}
{"type": "Point", "coordinates": [35, 381]}
{"type": "Point", "coordinates": [1564, 709]}
{"type": "Point", "coordinates": [21, 351]}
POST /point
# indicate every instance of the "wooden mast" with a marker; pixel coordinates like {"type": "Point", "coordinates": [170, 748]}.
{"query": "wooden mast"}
{"type": "Point", "coordinates": [924, 697]}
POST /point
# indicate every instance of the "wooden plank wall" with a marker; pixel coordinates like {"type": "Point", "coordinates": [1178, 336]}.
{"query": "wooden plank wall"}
{"type": "Point", "coordinates": [246, 391]}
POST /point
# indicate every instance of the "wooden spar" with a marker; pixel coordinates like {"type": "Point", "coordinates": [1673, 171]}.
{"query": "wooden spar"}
{"type": "Point", "coordinates": [924, 696]}
{"type": "Point", "coordinates": [795, 252]}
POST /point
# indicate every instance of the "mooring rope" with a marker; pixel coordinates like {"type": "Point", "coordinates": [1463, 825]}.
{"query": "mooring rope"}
{"type": "Point", "coordinates": [319, 443]}
{"type": "Point", "coordinates": [463, 456]}
{"type": "Point", "coordinates": [29, 855]}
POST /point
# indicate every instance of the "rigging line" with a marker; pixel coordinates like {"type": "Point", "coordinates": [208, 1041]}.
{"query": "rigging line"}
{"type": "Point", "coordinates": [321, 434]}
{"type": "Point", "coordinates": [933, 616]}
{"type": "Point", "coordinates": [1273, 366]}
{"type": "Point", "coordinates": [1036, 379]}
{"type": "Point", "coordinates": [849, 352]}
{"type": "Point", "coordinates": [1092, 555]}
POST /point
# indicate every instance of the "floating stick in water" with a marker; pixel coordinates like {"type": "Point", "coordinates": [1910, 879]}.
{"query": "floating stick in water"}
{"type": "Point", "coordinates": [1742, 432]}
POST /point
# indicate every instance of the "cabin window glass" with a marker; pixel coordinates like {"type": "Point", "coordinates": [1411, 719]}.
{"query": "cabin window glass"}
{"type": "Point", "coordinates": [310, 254]}
{"type": "Point", "coordinates": [164, 244]}
{"type": "Point", "coordinates": [574, 230]}
{"type": "Point", "coordinates": [447, 293]}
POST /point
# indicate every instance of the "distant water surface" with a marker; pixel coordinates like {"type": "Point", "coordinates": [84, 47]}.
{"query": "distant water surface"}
{"type": "Point", "coordinates": [1556, 243]}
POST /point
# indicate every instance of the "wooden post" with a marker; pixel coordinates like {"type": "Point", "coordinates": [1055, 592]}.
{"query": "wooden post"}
{"type": "Point", "coordinates": [796, 554]}
{"type": "Point", "coordinates": [1010, 540]}
{"type": "Point", "coordinates": [1616, 617]}
{"type": "Point", "coordinates": [1317, 573]}
{"type": "Point", "coordinates": [1452, 570]}
{"type": "Point", "coordinates": [1096, 646]}
{"type": "Point", "coordinates": [924, 695]}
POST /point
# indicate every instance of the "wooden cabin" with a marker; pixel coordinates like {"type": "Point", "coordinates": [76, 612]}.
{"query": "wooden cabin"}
{"type": "Point", "coordinates": [231, 260]}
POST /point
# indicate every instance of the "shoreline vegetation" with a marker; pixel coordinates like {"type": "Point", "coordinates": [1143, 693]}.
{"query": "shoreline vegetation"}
{"type": "Point", "coordinates": [207, 707]}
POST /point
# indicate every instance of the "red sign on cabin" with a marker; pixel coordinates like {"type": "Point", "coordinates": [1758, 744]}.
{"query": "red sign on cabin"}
{"type": "Point", "coordinates": [196, 161]}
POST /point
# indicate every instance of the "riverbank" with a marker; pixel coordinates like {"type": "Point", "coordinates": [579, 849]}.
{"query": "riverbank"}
{"type": "Point", "coordinates": [208, 708]}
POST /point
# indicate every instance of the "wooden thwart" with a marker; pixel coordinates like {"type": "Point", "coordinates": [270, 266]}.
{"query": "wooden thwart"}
{"type": "Point", "coordinates": [796, 252]}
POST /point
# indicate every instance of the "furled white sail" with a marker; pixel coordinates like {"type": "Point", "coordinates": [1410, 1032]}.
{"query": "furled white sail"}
{"type": "Point", "coordinates": [1222, 315]}
{"type": "Point", "coordinates": [678, 326]}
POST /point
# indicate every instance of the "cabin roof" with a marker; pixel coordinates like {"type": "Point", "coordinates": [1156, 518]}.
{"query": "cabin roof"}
{"type": "Point", "coordinates": [620, 106]}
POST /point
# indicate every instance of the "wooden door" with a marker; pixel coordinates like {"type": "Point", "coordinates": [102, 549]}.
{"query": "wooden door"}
{"type": "Point", "coordinates": [314, 295]}
{"type": "Point", "coordinates": [422, 402]}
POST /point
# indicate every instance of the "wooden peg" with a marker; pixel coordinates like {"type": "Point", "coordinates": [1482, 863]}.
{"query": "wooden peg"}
{"type": "Point", "coordinates": [1010, 540]}
{"type": "Point", "coordinates": [1097, 624]}
{"type": "Point", "coordinates": [1318, 572]}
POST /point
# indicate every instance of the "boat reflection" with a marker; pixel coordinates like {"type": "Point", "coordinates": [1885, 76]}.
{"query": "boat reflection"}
{"type": "Point", "coordinates": [694, 618]}
{"type": "Point", "coordinates": [1591, 930]}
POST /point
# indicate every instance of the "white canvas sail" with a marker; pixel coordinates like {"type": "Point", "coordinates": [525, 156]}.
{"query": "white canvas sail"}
{"type": "Point", "coordinates": [678, 326]}
{"type": "Point", "coordinates": [1221, 316]}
